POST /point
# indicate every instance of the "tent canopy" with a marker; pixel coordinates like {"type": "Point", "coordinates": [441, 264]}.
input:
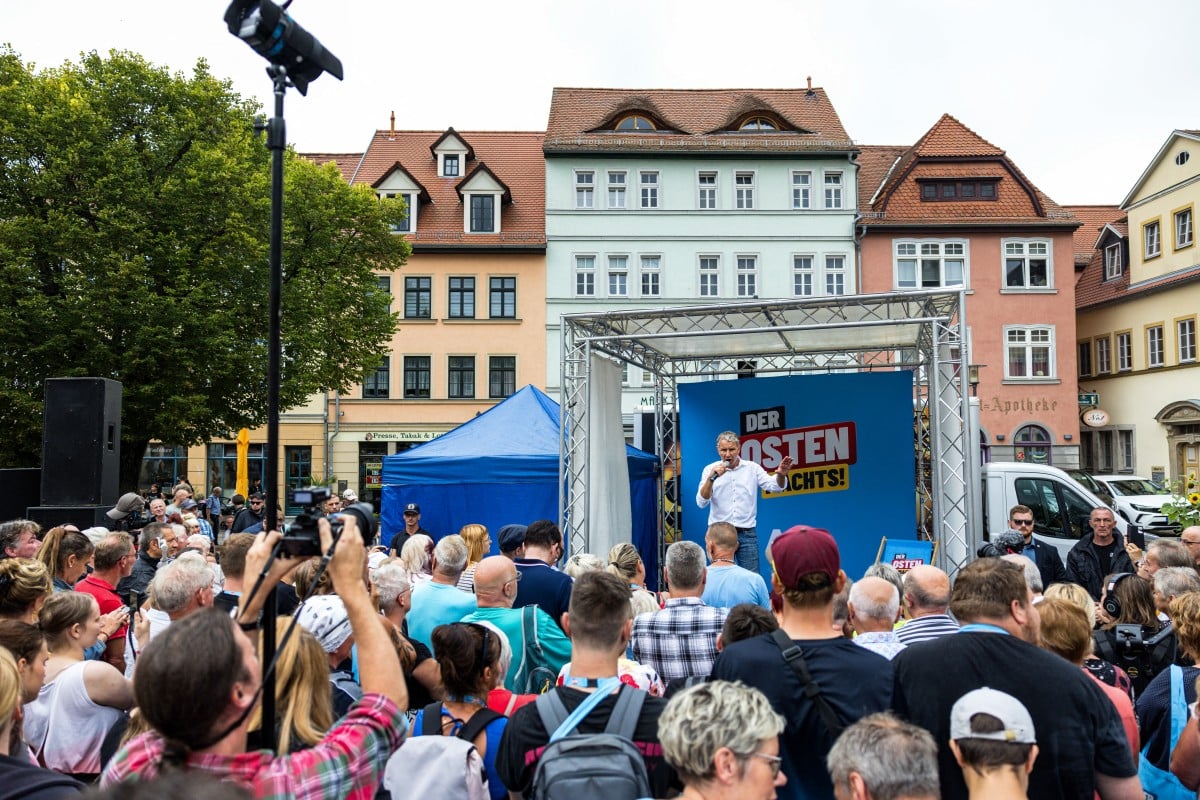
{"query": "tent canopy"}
{"type": "Point", "coordinates": [498, 468]}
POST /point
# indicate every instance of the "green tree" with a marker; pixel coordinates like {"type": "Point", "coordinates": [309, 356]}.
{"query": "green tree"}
{"type": "Point", "coordinates": [134, 225]}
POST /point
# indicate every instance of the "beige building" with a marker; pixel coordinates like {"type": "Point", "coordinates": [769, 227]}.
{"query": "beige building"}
{"type": "Point", "coordinates": [1137, 304]}
{"type": "Point", "coordinates": [471, 303]}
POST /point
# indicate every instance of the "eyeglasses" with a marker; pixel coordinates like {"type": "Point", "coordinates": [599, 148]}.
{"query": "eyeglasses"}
{"type": "Point", "coordinates": [774, 762]}
{"type": "Point", "coordinates": [516, 578]}
{"type": "Point", "coordinates": [1185, 541]}
{"type": "Point", "coordinates": [256, 502]}
{"type": "Point", "coordinates": [1022, 522]}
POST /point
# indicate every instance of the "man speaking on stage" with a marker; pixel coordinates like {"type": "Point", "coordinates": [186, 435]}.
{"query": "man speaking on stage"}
{"type": "Point", "coordinates": [729, 489]}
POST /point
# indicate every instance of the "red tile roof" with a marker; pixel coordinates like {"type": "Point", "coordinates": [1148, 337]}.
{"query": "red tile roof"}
{"type": "Point", "coordinates": [346, 162]}
{"type": "Point", "coordinates": [952, 150]}
{"type": "Point", "coordinates": [513, 157]}
{"type": "Point", "coordinates": [875, 161]}
{"type": "Point", "coordinates": [693, 120]}
{"type": "Point", "coordinates": [1094, 218]}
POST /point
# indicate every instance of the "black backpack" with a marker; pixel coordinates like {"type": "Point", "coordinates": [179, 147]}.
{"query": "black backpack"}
{"type": "Point", "coordinates": [595, 766]}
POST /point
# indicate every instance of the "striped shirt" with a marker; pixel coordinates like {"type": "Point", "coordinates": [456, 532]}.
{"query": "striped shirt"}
{"type": "Point", "coordinates": [930, 626]}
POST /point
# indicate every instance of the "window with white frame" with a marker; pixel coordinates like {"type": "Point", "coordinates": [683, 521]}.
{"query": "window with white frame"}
{"type": "Point", "coordinates": [1151, 242]}
{"type": "Point", "coordinates": [710, 276]}
{"type": "Point", "coordinates": [706, 190]}
{"type": "Point", "coordinates": [1154, 346]}
{"type": "Point", "coordinates": [1112, 262]}
{"type": "Point", "coordinates": [618, 276]}
{"type": "Point", "coordinates": [616, 189]}
{"type": "Point", "coordinates": [747, 276]}
{"type": "Point", "coordinates": [1183, 228]}
{"type": "Point", "coordinates": [801, 190]}
{"type": "Point", "coordinates": [1186, 331]}
{"type": "Point", "coordinates": [1124, 352]}
{"type": "Point", "coordinates": [585, 276]}
{"type": "Point", "coordinates": [743, 183]}
{"type": "Point", "coordinates": [650, 274]}
{"type": "Point", "coordinates": [835, 275]}
{"type": "Point", "coordinates": [483, 213]}
{"type": "Point", "coordinates": [1028, 351]}
{"type": "Point", "coordinates": [1085, 359]}
{"type": "Point", "coordinates": [1027, 264]}
{"type": "Point", "coordinates": [929, 264]}
{"type": "Point", "coordinates": [450, 165]}
{"type": "Point", "coordinates": [585, 189]}
{"type": "Point", "coordinates": [802, 276]}
{"type": "Point", "coordinates": [409, 223]}
{"type": "Point", "coordinates": [833, 190]}
{"type": "Point", "coordinates": [648, 182]}
{"type": "Point", "coordinates": [1103, 356]}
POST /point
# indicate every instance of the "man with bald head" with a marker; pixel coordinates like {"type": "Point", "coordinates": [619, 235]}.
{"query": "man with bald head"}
{"type": "Point", "coordinates": [538, 644]}
{"type": "Point", "coordinates": [1190, 537]}
{"type": "Point", "coordinates": [926, 600]}
{"type": "Point", "coordinates": [874, 608]}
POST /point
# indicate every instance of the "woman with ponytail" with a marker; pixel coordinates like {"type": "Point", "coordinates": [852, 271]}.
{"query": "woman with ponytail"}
{"type": "Point", "coordinates": [81, 700]}
{"type": "Point", "coordinates": [65, 552]}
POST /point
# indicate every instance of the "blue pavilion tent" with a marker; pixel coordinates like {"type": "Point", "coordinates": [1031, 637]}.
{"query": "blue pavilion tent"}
{"type": "Point", "coordinates": [502, 467]}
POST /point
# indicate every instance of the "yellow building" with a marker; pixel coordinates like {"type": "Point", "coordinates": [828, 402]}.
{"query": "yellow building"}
{"type": "Point", "coordinates": [471, 303]}
{"type": "Point", "coordinates": [1137, 304]}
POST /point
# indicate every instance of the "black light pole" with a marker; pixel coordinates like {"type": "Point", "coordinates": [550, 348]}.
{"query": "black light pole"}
{"type": "Point", "coordinates": [276, 36]}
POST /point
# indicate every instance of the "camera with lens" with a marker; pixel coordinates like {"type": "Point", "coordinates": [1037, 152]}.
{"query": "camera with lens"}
{"type": "Point", "coordinates": [303, 538]}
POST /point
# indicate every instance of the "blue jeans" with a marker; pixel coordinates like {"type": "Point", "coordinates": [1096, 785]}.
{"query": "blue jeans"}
{"type": "Point", "coordinates": [747, 552]}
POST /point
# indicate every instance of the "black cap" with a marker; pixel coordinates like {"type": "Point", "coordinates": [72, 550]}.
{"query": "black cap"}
{"type": "Point", "coordinates": [412, 508]}
{"type": "Point", "coordinates": [511, 537]}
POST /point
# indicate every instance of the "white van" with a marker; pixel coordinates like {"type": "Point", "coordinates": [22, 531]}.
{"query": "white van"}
{"type": "Point", "coordinates": [1061, 507]}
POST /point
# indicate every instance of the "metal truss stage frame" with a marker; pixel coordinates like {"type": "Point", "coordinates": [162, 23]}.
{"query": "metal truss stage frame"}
{"type": "Point", "coordinates": [923, 332]}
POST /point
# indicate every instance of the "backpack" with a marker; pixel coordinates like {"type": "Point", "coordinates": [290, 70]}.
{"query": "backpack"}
{"type": "Point", "coordinates": [595, 766]}
{"type": "Point", "coordinates": [535, 675]}
{"type": "Point", "coordinates": [435, 765]}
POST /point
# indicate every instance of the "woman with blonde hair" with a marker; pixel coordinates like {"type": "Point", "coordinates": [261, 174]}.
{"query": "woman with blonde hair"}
{"type": "Point", "coordinates": [479, 544]}
{"type": "Point", "coordinates": [19, 777]}
{"type": "Point", "coordinates": [65, 552]}
{"type": "Point", "coordinates": [81, 700]}
{"type": "Point", "coordinates": [303, 702]}
{"type": "Point", "coordinates": [1103, 671]}
{"type": "Point", "coordinates": [24, 586]}
{"type": "Point", "coordinates": [625, 562]}
{"type": "Point", "coordinates": [417, 555]}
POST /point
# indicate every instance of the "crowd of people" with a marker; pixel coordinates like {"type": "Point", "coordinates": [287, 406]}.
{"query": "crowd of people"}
{"type": "Point", "coordinates": [439, 668]}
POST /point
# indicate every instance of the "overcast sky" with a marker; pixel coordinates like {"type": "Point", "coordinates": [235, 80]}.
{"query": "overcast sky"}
{"type": "Point", "coordinates": [1080, 94]}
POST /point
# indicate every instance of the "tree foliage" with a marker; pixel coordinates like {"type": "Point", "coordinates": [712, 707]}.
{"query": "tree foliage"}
{"type": "Point", "coordinates": [134, 225]}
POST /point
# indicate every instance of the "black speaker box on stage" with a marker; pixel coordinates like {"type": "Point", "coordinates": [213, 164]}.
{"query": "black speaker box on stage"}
{"type": "Point", "coordinates": [81, 443]}
{"type": "Point", "coordinates": [18, 491]}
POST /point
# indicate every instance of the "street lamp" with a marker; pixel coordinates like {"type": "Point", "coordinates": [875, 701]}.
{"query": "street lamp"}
{"type": "Point", "coordinates": [297, 59]}
{"type": "Point", "coordinates": [973, 376]}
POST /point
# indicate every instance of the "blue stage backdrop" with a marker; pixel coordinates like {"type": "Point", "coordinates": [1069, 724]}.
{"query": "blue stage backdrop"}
{"type": "Point", "coordinates": [850, 436]}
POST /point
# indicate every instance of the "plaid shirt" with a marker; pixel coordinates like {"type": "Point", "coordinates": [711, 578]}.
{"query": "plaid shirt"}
{"type": "Point", "coordinates": [347, 763]}
{"type": "Point", "coordinates": [679, 641]}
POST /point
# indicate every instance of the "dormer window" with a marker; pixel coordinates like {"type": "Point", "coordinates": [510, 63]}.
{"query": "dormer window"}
{"type": "Point", "coordinates": [958, 189]}
{"type": "Point", "coordinates": [482, 213]}
{"type": "Point", "coordinates": [635, 122]}
{"type": "Point", "coordinates": [450, 165]}
{"type": "Point", "coordinates": [758, 125]}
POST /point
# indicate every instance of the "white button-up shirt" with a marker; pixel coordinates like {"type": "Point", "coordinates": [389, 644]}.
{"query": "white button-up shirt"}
{"type": "Point", "coordinates": [735, 494]}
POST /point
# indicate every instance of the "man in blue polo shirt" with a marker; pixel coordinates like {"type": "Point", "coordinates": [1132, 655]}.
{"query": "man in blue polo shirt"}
{"type": "Point", "coordinates": [541, 584]}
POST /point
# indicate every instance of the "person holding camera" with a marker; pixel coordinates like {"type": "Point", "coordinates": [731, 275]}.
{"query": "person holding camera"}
{"type": "Point", "coordinates": [1131, 635]}
{"type": "Point", "coordinates": [199, 708]}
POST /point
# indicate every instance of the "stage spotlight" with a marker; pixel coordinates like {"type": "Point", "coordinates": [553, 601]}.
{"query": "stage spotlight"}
{"type": "Point", "coordinates": [277, 37]}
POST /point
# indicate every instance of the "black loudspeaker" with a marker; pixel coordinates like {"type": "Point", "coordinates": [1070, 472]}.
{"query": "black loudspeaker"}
{"type": "Point", "coordinates": [18, 491]}
{"type": "Point", "coordinates": [81, 442]}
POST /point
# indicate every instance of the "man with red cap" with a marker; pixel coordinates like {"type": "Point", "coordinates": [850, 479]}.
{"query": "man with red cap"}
{"type": "Point", "coordinates": [819, 681]}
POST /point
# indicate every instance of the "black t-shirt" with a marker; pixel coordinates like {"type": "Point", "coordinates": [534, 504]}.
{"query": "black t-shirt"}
{"type": "Point", "coordinates": [525, 736]}
{"type": "Point", "coordinates": [853, 680]}
{"type": "Point", "coordinates": [1077, 727]}
{"type": "Point", "coordinates": [418, 695]}
{"type": "Point", "coordinates": [1105, 553]}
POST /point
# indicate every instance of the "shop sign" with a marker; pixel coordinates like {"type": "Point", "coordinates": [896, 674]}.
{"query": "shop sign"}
{"type": "Point", "coordinates": [1095, 418]}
